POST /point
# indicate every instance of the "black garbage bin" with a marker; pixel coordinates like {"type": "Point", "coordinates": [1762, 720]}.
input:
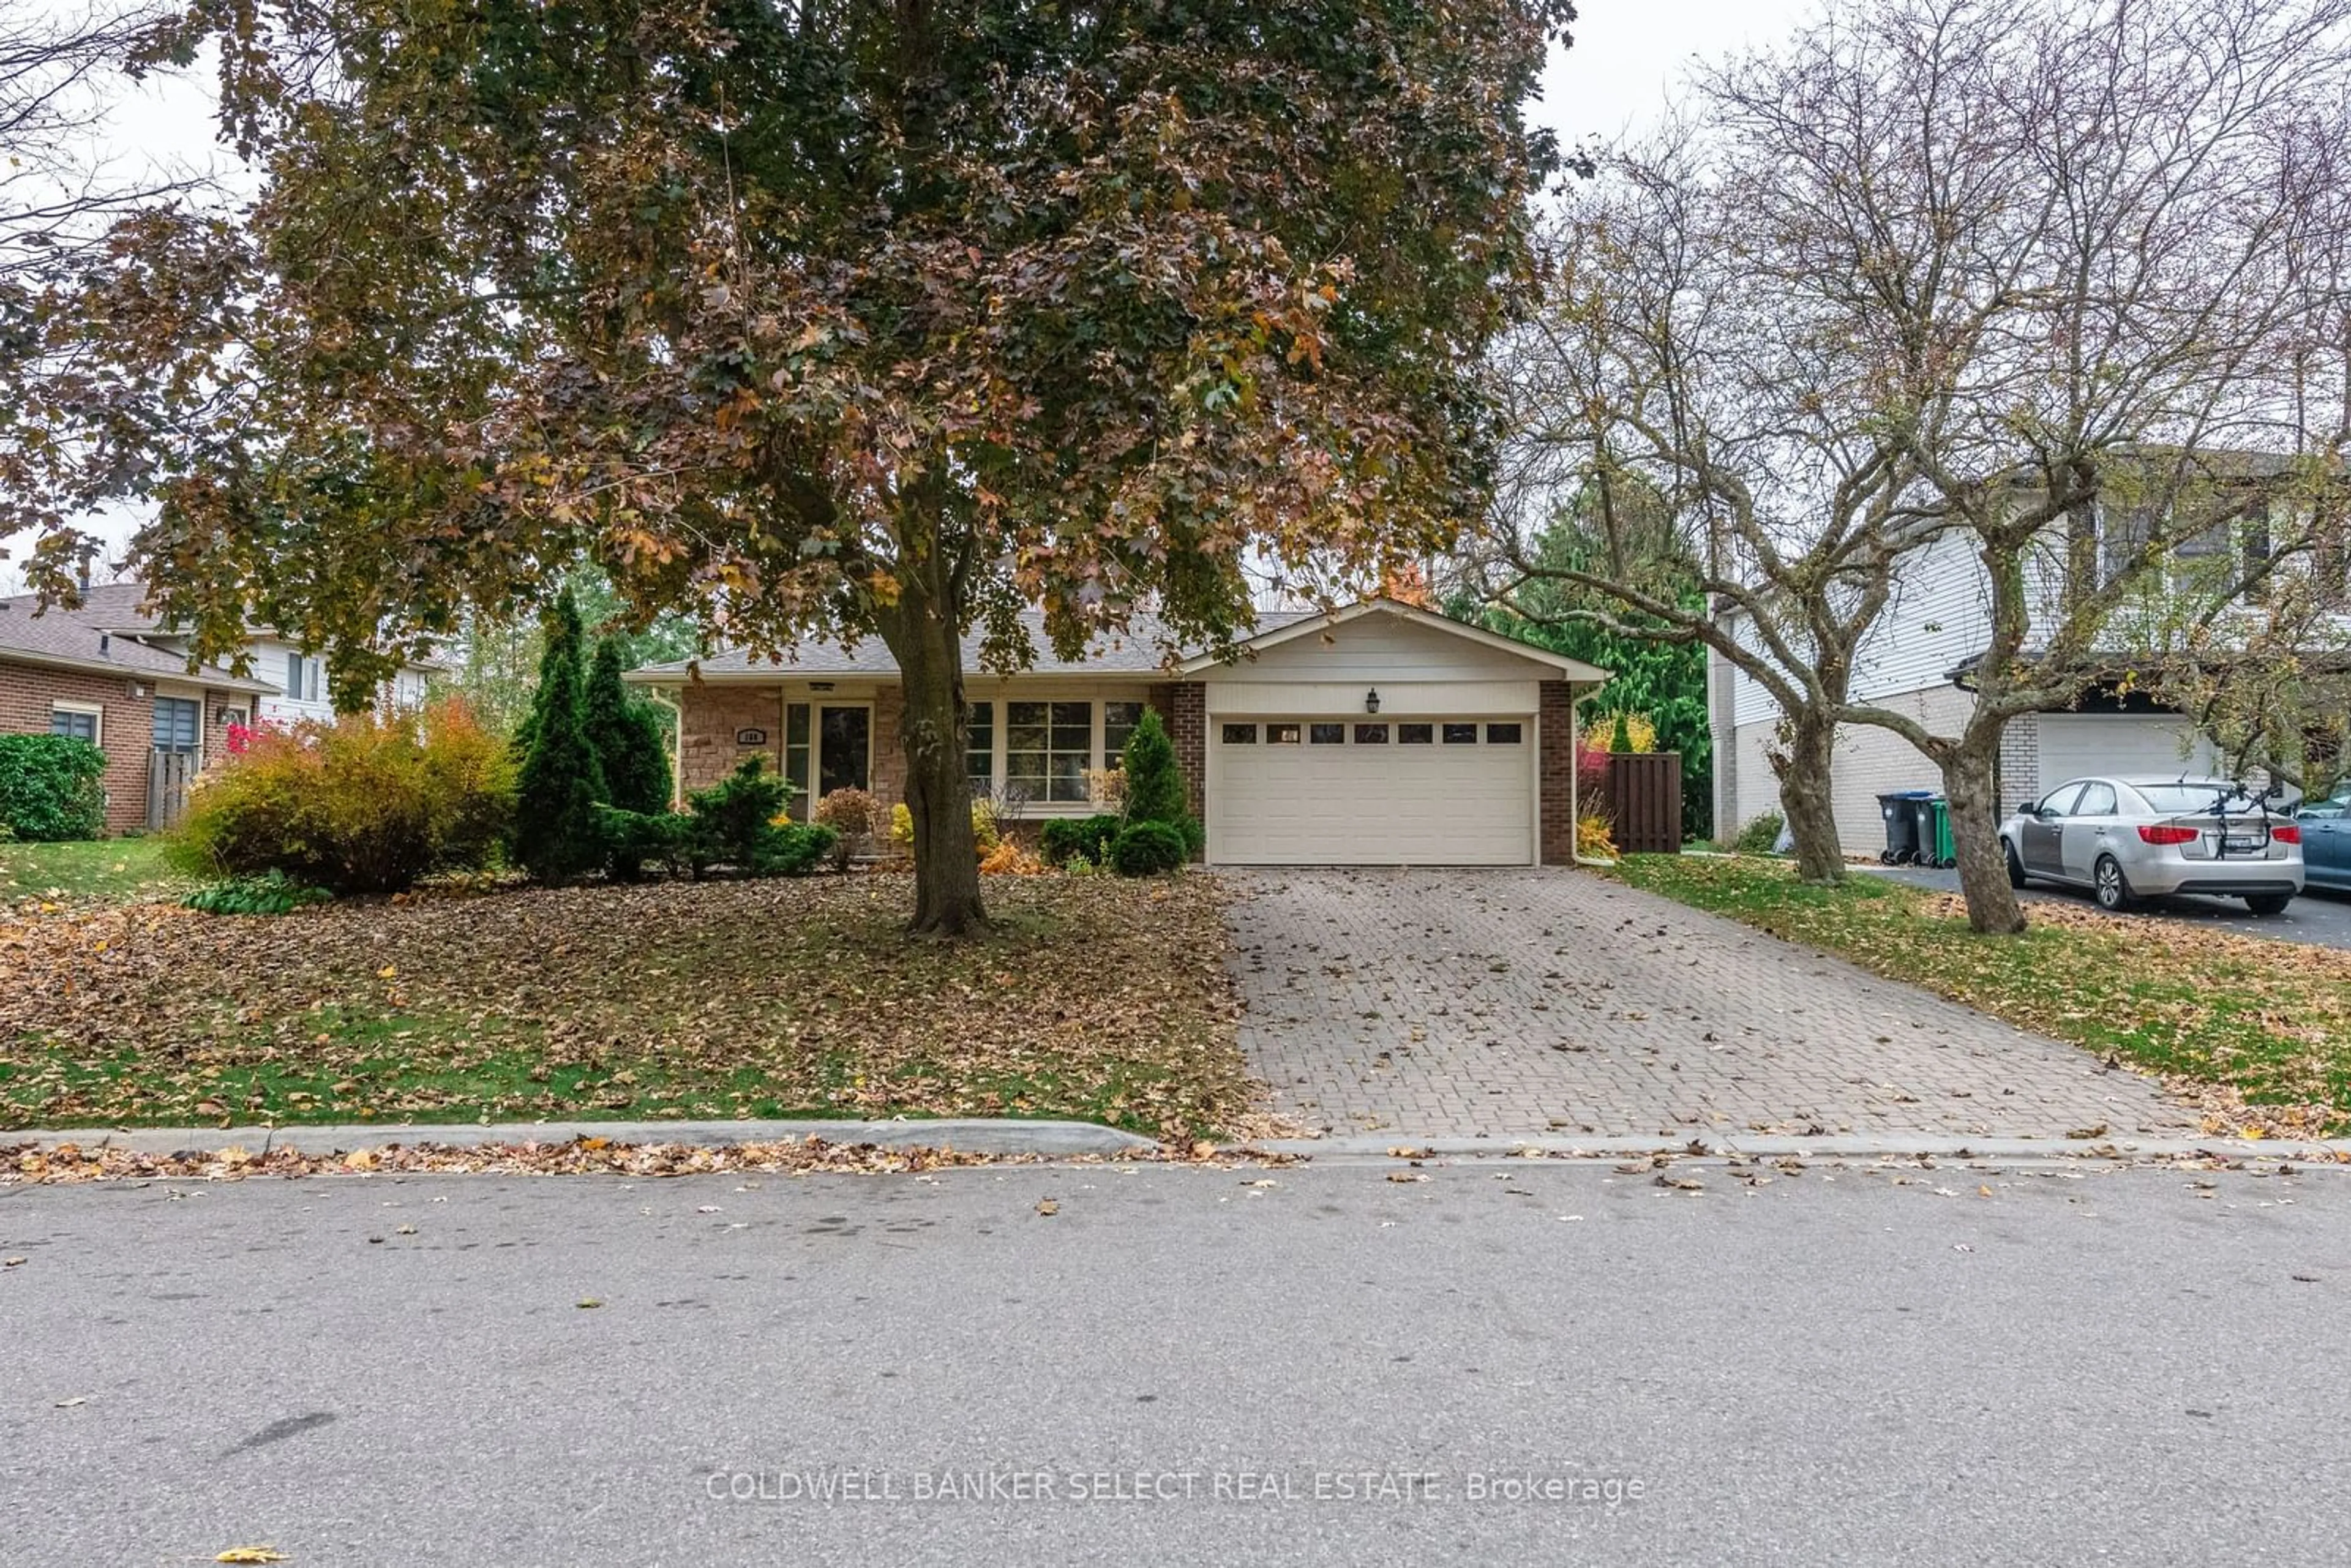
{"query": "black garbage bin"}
{"type": "Point", "coordinates": [1902, 810]}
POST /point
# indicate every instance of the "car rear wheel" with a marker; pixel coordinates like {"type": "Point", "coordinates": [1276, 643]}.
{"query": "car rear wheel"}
{"type": "Point", "coordinates": [2015, 866]}
{"type": "Point", "coordinates": [2114, 893]}
{"type": "Point", "coordinates": [2269, 903]}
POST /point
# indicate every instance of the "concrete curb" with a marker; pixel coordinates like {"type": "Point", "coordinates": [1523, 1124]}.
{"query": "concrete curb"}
{"type": "Point", "coordinates": [1382, 1146]}
{"type": "Point", "coordinates": [978, 1135]}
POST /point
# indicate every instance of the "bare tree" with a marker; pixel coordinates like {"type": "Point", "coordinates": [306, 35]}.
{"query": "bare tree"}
{"type": "Point", "coordinates": [2058, 281]}
{"type": "Point", "coordinates": [2092, 249]}
{"type": "Point", "coordinates": [59, 70]}
{"type": "Point", "coordinates": [59, 193]}
{"type": "Point", "coordinates": [1688, 397]}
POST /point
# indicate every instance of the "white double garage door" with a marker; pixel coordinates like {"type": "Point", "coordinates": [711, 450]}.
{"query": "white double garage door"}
{"type": "Point", "coordinates": [2152, 745]}
{"type": "Point", "coordinates": [1441, 789]}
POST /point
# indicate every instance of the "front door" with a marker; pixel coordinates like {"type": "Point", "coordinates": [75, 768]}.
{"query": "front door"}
{"type": "Point", "coordinates": [844, 751]}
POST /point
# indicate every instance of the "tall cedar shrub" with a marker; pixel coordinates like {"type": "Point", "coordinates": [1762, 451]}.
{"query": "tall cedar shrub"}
{"type": "Point", "coordinates": [556, 835]}
{"type": "Point", "coordinates": [1154, 785]}
{"type": "Point", "coordinates": [626, 736]}
{"type": "Point", "coordinates": [49, 787]}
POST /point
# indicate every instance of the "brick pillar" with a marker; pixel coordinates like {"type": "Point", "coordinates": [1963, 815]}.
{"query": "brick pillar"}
{"type": "Point", "coordinates": [1184, 706]}
{"type": "Point", "coordinates": [1558, 803]}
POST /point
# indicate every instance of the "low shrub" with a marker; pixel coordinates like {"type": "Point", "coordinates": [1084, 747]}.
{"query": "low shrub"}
{"type": "Point", "coordinates": [1009, 859]}
{"type": "Point", "coordinates": [271, 893]}
{"type": "Point", "coordinates": [1148, 848]}
{"type": "Point", "coordinates": [795, 849]}
{"type": "Point", "coordinates": [739, 821]}
{"type": "Point", "coordinates": [364, 804]}
{"type": "Point", "coordinates": [634, 841]}
{"type": "Point", "coordinates": [733, 818]}
{"type": "Point", "coordinates": [1593, 838]}
{"type": "Point", "coordinates": [852, 814]}
{"type": "Point", "coordinates": [1761, 836]}
{"type": "Point", "coordinates": [50, 788]}
{"type": "Point", "coordinates": [985, 834]}
{"type": "Point", "coordinates": [1063, 838]}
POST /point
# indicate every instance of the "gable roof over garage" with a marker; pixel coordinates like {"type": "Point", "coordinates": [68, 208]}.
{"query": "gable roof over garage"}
{"type": "Point", "coordinates": [1559, 665]}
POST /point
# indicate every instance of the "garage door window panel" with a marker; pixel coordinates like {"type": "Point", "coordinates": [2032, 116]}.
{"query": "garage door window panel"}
{"type": "Point", "coordinates": [1282, 734]}
{"type": "Point", "coordinates": [1416, 733]}
{"type": "Point", "coordinates": [1241, 734]}
{"type": "Point", "coordinates": [1460, 735]}
{"type": "Point", "coordinates": [1370, 734]}
{"type": "Point", "coordinates": [1501, 735]}
{"type": "Point", "coordinates": [1327, 734]}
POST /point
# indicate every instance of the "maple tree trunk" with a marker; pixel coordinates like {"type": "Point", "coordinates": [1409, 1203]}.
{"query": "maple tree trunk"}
{"type": "Point", "coordinates": [1807, 798]}
{"type": "Point", "coordinates": [924, 639]}
{"type": "Point", "coordinates": [1969, 789]}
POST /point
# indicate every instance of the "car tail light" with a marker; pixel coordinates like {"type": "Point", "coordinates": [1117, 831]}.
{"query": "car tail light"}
{"type": "Point", "coordinates": [2164, 835]}
{"type": "Point", "coordinates": [2286, 833]}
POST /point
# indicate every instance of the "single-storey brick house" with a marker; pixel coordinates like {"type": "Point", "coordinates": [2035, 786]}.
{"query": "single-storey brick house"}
{"type": "Point", "coordinates": [1382, 734]}
{"type": "Point", "coordinates": [70, 672]}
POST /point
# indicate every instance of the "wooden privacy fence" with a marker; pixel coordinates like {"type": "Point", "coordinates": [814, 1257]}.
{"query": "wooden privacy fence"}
{"type": "Point", "coordinates": [1644, 792]}
{"type": "Point", "coordinates": [168, 773]}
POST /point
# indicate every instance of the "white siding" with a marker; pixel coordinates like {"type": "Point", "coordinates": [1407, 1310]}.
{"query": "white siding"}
{"type": "Point", "coordinates": [1938, 616]}
{"type": "Point", "coordinates": [1376, 649]}
{"type": "Point", "coordinates": [269, 658]}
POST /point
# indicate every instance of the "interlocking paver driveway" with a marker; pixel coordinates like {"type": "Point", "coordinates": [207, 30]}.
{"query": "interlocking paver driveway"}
{"type": "Point", "coordinates": [1549, 1001]}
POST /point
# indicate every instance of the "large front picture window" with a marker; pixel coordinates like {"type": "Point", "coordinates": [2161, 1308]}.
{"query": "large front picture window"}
{"type": "Point", "coordinates": [1048, 746]}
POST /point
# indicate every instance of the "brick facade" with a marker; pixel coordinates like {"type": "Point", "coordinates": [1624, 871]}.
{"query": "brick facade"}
{"type": "Point", "coordinates": [1556, 802]}
{"type": "Point", "coordinates": [711, 715]}
{"type": "Point", "coordinates": [126, 724]}
{"type": "Point", "coordinates": [1183, 706]}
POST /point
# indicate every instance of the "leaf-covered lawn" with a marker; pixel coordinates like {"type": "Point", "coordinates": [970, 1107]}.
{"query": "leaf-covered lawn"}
{"type": "Point", "coordinates": [2268, 1021]}
{"type": "Point", "coordinates": [1101, 1000]}
{"type": "Point", "coordinates": [95, 871]}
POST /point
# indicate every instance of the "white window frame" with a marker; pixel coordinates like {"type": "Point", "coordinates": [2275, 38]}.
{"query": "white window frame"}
{"type": "Point", "coordinates": [999, 750]}
{"type": "Point", "coordinates": [97, 712]}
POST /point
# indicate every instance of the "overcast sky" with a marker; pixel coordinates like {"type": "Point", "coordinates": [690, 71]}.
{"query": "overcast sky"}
{"type": "Point", "coordinates": [1628, 54]}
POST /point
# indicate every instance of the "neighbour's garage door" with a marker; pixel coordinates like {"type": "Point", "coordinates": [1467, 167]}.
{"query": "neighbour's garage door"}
{"type": "Point", "coordinates": [2118, 745]}
{"type": "Point", "coordinates": [1359, 791]}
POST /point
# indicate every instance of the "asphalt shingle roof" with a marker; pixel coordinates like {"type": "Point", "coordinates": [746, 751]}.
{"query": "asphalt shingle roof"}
{"type": "Point", "coordinates": [93, 637]}
{"type": "Point", "coordinates": [1140, 648]}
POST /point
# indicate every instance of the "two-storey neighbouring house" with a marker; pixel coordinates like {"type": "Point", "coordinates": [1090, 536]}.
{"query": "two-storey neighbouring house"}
{"type": "Point", "coordinates": [106, 672]}
{"type": "Point", "coordinates": [1918, 659]}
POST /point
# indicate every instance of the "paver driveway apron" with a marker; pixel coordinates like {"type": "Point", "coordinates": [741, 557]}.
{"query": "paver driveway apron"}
{"type": "Point", "coordinates": [1547, 1002]}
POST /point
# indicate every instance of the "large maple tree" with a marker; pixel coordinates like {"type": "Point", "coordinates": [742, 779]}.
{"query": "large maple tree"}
{"type": "Point", "coordinates": [836, 320]}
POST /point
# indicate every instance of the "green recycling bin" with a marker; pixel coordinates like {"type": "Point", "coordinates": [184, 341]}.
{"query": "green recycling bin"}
{"type": "Point", "coordinates": [1937, 838]}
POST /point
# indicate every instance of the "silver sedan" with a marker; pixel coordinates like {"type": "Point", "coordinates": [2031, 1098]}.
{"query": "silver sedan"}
{"type": "Point", "coordinates": [2127, 839]}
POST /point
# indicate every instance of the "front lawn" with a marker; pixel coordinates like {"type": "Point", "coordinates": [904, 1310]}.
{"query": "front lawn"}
{"type": "Point", "coordinates": [89, 871]}
{"type": "Point", "coordinates": [1100, 999]}
{"type": "Point", "coordinates": [2269, 1021]}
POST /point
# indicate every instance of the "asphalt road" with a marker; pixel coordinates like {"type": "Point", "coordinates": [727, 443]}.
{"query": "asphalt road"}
{"type": "Point", "coordinates": [1831, 1368]}
{"type": "Point", "coordinates": [2321, 918]}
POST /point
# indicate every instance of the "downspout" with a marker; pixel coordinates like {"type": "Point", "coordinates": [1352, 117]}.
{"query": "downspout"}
{"type": "Point", "coordinates": [660, 696]}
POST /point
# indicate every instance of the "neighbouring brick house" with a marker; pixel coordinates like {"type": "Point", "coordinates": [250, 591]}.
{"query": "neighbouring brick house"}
{"type": "Point", "coordinates": [1381, 734]}
{"type": "Point", "coordinates": [66, 672]}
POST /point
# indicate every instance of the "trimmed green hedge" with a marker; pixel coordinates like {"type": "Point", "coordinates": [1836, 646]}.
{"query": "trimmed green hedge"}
{"type": "Point", "coordinates": [1148, 848]}
{"type": "Point", "coordinates": [50, 788]}
{"type": "Point", "coordinates": [1063, 837]}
